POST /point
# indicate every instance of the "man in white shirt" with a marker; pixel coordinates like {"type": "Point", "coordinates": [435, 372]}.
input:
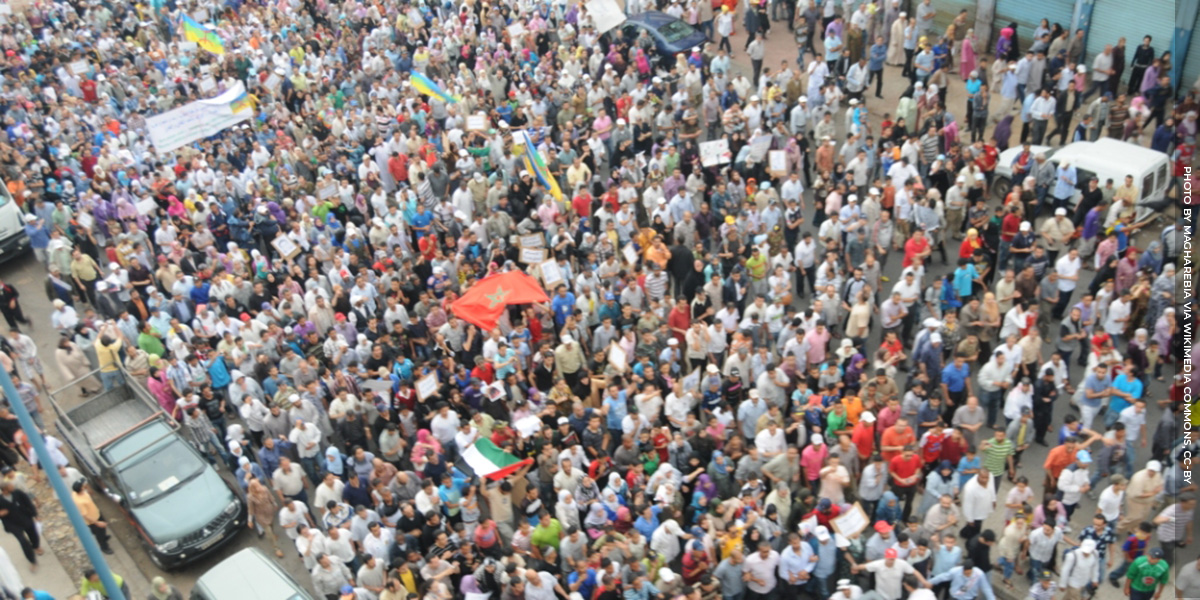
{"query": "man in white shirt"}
{"type": "Point", "coordinates": [760, 567]}
{"type": "Point", "coordinates": [1018, 399]}
{"type": "Point", "coordinates": [770, 441]}
{"type": "Point", "coordinates": [889, 574]}
{"type": "Point", "coordinates": [1118, 316]}
{"type": "Point", "coordinates": [1067, 267]}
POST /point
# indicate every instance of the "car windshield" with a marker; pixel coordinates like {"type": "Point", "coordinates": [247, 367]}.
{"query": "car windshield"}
{"type": "Point", "coordinates": [160, 472]}
{"type": "Point", "coordinates": [674, 31]}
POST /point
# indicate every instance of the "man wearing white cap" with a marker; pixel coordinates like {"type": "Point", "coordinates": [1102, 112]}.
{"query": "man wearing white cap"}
{"type": "Point", "coordinates": [846, 591]}
{"type": "Point", "coordinates": [1080, 569]}
{"type": "Point", "coordinates": [1144, 487]}
{"type": "Point", "coordinates": [1057, 232]}
{"type": "Point", "coordinates": [570, 359]}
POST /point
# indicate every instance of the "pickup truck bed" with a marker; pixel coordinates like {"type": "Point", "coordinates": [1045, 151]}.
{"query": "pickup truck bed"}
{"type": "Point", "coordinates": [107, 416]}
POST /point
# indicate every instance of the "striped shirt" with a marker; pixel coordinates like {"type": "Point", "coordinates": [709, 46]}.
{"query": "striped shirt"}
{"type": "Point", "coordinates": [996, 455]}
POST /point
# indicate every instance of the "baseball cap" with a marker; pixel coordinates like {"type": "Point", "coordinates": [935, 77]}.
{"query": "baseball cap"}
{"type": "Point", "coordinates": [890, 553]}
{"type": "Point", "coordinates": [822, 533]}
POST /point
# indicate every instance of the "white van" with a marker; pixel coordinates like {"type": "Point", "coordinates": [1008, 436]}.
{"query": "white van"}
{"type": "Point", "coordinates": [13, 241]}
{"type": "Point", "coordinates": [1103, 159]}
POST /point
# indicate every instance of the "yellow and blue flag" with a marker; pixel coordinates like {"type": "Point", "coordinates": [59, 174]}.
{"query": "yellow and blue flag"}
{"type": "Point", "coordinates": [425, 85]}
{"type": "Point", "coordinates": [204, 38]}
{"type": "Point", "coordinates": [537, 165]}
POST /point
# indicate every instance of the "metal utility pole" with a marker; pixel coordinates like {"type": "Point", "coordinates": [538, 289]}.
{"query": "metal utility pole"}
{"type": "Point", "coordinates": [60, 488]}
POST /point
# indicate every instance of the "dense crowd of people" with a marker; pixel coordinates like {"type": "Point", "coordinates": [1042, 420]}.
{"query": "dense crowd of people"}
{"type": "Point", "coordinates": [730, 395]}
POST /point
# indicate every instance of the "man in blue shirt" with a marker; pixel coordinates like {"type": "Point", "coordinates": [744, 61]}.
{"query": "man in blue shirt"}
{"type": "Point", "coordinates": [966, 582]}
{"type": "Point", "coordinates": [1064, 185]}
{"type": "Point", "coordinates": [563, 305]}
{"type": "Point", "coordinates": [1096, 386]}
{"type": "Point", "coordinates": [1126, 389]}
{"type": "Point", "coordinates": [582, 579]}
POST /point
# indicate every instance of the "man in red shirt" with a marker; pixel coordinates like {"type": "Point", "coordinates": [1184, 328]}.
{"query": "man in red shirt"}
{"type": "Point", "coordinates": [986, 157]}
{"type": "Point", "coordinates": [1010, 226]}
{"type": "Point", "coordinates": [825, 512]}
{"type": "Point", "coordinates": [905, 472]}
{"type": "Point", "coordinates": [916, 247]}
{"type": "Point", "coordinates": [863, 436]}
{"type": "Point", "coordinates": [582, 203]}
{"type": "Point", "coordinates": [680, 320]}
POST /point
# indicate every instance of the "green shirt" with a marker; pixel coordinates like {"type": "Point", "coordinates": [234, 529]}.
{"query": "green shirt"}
{"type": "Point", "coordinates": [547, 536]}
{"type": "Point", "coordinates": [1146, 577]}
{"type": "Point", "coordinates": [996, 455]}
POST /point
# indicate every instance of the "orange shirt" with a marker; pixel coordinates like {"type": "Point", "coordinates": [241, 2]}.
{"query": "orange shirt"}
{"type": "Point", "coordinates": [1058, 459]}
{"type": "Point", "coordinates": [891, 437]}
{"type": "Point", "coordinates": [854, 408]}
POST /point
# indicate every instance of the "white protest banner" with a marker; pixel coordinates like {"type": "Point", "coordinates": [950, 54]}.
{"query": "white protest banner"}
{"type": "Point", "coordinates": [272, 82]}
{"type": "Point", "coordinates": [606, 14]}
{"type": "Point", "coordinates": [630, 253]}
{"type": "Point", "coordinates": [516, 30]}
{"type": "Point", "coordinates": [533, 240]}
{"type": "Point", "coordinates": [146, 207]}
{"type": "Point", "coordinates": [477, 122]}
{"type": "Point", "coordinates": [208, 84]}
{"type": "Point", "coordinates": [777, 162]}
{"type": "Point", "coordinates": [532, 256]}
{"type": "Point", "coordinates": [552, 275]}
{"type": "Point", "coordinates": [715, 153]}
{"type": "Point", "coordinates": [759, 145]}
{"type": "Point", "coordinates": [79, 67]}
{"type": "Point", "coordinates": [851, 522]}
{"type": "Point", "coordinates": [427, 386]}
{"type": "Point", "coordinates": [327, 191]}
{"type": "Point", "coordinates": [198, 120]}
{"type": "Point", "coordinates": [188, 46]}
{"type": "Point", "coordinates": [286, 247]}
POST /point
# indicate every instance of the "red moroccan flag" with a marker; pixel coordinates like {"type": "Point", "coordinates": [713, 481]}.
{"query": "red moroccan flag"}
{"type": "Point", "coordinates": [484, 302]}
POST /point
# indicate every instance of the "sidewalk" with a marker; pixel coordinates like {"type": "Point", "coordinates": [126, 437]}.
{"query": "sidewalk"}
{"type": "Point", "coordinates": [60, 575]}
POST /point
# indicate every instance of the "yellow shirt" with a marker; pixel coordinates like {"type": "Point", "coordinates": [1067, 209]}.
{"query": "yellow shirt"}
{"type": "Point", "coordinates": [108, 356]}
{"type": "Point", "coordinates": [87, 507]}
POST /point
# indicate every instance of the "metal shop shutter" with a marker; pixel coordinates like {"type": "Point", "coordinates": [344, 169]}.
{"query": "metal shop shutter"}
{"type": "Point", "coordinates": [1114, 19]}
{"type": "Point", "coordinates": [1191, 68]}
{"type": "Point", "coordinates": [1029, 13]}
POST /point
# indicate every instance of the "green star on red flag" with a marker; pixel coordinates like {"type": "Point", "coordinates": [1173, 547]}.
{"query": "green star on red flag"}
{"type": "Point", "coordinates": [497, 297]}
{"type": "Point", "coordinates": [483, 303]}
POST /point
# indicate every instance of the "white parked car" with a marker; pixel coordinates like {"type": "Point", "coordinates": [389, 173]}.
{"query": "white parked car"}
{"type": "Point", "coordinates": [1103, 159]}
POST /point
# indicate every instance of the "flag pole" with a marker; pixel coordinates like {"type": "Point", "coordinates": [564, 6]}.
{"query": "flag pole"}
{"type": "Point", "coordinates": [84, 534]}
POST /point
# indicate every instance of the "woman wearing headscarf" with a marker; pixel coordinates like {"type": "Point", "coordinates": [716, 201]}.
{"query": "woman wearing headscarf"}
{"type": "Point", "coordinates": [73, 364]}
{"type": "Point", "coordinates": [1127, 271]}
{"type": "Point", "coordinates": [596, 519]}
{"type": "Point", "coordinates": [966, 53]}
{"type": "Point", "coordinates": [989, 309]}
{"type": "Point", "coordinates": [334, 462]}
{"type": "Point", "coordinates": [1164, 332]}
{"type": "Point", "coordinates": [940, 481]}
{"type": "Point", "coordinates": [1152, 258]}
{"type": "Point", "coordinates": [262, 507]}
{"type": "Point", "coordinates": [720, 470]}
{"type": "Point", "coordinates": [889, 509]}
{"type": "Point", "coordinates": [161, 590]}
{"type": "Point", "coordinates": [1004, 43]}
{"type": "Point", "coordinates": [567, 510]}
{"type": "Point", "coordinates": [895, 50]}
{"type": "Point", "coordinates": [970, 244]}
{"type": "Point", "coordinates": [425, 443]}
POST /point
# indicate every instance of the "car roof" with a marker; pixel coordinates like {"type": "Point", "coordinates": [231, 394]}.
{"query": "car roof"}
{"type": "Point", "coordinates": [652, 18]}
{"type": "Point", "coordinates": [250, 574]}
{"type": "Point", "coordinates": [1112, 155]}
